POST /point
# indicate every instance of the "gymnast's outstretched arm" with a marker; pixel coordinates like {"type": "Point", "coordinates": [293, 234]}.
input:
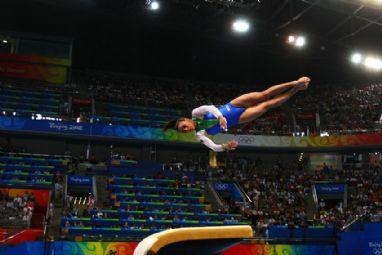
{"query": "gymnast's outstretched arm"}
{"type": "Point", "coordinates": [201, 135]}
{"type": "Point", "coordinates": [202, 110]}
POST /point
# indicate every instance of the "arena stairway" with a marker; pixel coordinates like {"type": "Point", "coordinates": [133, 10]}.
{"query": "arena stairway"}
{"type": "Point", "coordinates": [102, 191]}
{"type": "Point", "coordinates": [213, 197]}
{"type": "Point", "coordinates": [311, 207]}
{"type": "Point", "coordinates": [54, 227]}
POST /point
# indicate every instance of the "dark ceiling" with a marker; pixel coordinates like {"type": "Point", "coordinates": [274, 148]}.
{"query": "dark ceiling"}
{"type": "Point", "coordinates": [192, 38]}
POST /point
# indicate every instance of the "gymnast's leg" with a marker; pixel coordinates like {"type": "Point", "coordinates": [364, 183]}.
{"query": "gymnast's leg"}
{"type": "Point", "coordinates": [252, 99]}
{"type": "Point", "coordinates": [256, 111]}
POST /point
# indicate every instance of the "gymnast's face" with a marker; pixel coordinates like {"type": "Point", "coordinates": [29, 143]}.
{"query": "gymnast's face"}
{"type": "Point", "coordinates": [186, 125]}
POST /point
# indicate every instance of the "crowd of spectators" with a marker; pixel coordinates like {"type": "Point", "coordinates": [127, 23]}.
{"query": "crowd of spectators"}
{"type": "Point", "coordinates": [340, 108]}
{"type": "Point", "coordinates": [365, 193]}
{"type": "Point", "coordinates": [16, 211]}
{"type": "Point", "coordinates": [343, 108]}
{"type": "Point", "coordinates": [278, 199]}
{"type": "Point", "coordinates": [142, 91]}
{"type": "Point", "coordinates": [281, 196]}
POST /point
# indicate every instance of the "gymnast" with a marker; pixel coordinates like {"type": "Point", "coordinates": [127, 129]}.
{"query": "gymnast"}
{"type": "Point", "coordinates": [208, 119]}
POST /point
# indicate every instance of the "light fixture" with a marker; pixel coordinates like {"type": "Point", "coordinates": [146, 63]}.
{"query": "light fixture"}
{"type": "Point", "coordinates": [154, 5]}
{"type": "Point", "coordinates": [356, 58]}
{"type": "Point", "coordinates": [240, 26]}
{"type": "Point", "coordinates": [291, 39]}
{"type": "Point", "coordinates": [300, 41]}
{"type": "Point", "coordinates": [373, 63]}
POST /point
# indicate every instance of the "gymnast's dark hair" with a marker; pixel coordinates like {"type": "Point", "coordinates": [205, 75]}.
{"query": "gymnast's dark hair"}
{"type": "Point", "coordinates": [173, 124]}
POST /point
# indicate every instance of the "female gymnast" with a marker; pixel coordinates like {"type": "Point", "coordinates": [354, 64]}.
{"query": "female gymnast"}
{"type": "Point", "coordinates": [208, 119]}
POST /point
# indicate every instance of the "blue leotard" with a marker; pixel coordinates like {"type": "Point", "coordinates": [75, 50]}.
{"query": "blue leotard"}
{"type": "Point", "coordinates": [230, 112]}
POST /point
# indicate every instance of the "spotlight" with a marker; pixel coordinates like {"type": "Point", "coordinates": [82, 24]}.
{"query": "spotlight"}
{"type": "Point", "coordinates": [300, 41]}
{"type": "Point", "coordinates": [240, 26]}
{"type": "Point", "coordinates": [356, 58]}
{"type": "Point", "coordinates": [297, 41]}
{"type": "Point", "coordinates": [291, 39]}
{"type": "Point", "coordinates": [5, 41]}
{"type": "Point", "coordinates": [154, 5]}
{"type": "Point", "coordinates": [373, 63]}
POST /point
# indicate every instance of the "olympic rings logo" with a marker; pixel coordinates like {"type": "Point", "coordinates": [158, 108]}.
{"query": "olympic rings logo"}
{"type": "Point", "coordinates": [246, 140]}
{"type": "Point", "coordinates": [221, 186]}
{"type": "Point", "coordinates": [377, 251]}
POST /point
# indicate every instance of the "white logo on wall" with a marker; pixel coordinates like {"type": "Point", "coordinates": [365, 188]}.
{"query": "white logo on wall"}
{"type": "Point", "coordinates": [246, 139]}
{"type": "Point", "coordinates": [377, 247]}
{"type": "Point", "coordinates": [64, 127]}
{"type": "Point", "coordinates": [221, 186]}
{"type": "Point", "coordinates": [80, 180]}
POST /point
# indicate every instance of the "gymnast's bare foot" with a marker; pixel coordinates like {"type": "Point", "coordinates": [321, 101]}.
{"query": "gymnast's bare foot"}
{"type": "Point", "coordinates": [302, 83]}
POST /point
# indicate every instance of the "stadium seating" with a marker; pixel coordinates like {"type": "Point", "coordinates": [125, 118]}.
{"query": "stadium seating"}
{"type": "Point", "coordinates": [120, 114]}
{"type": "Point", "coordinates": [21, 170]}
{"type": "Point", "coordinates": [142, 206]}
{"type": "Point", "coordinates": [26, 103]}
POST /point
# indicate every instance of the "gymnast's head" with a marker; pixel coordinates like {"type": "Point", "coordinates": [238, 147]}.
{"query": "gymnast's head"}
{"type": "Point", "coordinates": [183, 125]}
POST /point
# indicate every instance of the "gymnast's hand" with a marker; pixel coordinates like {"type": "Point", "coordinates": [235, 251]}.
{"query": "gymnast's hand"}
{"type": "Point", "coordinates": [223, 122]}
{"type": "Point", "coordinates": [231, 145]}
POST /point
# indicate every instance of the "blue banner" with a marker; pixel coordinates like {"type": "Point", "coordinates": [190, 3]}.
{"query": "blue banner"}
{"type": "Point", "coordinates": [22, 124]}
{"type": "Point", "coordinates": [92, 129]}
{"type": "Point", "coordinates": [231, 188]}
{"type": "Point", "coordinates": [80, 180]}
{"type": "Point", "coordinates": [329, 188]}
{"type": "Point", "coordinates": [220, 186]}
{"type": "Point", "coordinates": [372, 246]}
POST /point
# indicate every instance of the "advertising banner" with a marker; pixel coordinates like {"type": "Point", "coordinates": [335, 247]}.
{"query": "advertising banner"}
{"type": "Point", "coordinates": [278, 249]}
{"type": "Point", "coordinates": [127, 248]}
{"type": "Point", "coordinates": [80, 180]}
{"type": "Point", "coordinates": [372, 246]}
{"type": "Point", "coordinates": [230, 188]}
{"type": "Point", "coordinates": [49, 73]}
{"type": "Point", "coordinates": [92, 129]}
{"type": "Point", "coordinates": [23, 124]}
{"type": "Point", "coordinates": [148, 133]}
{"type": "Point", "coordinates": [329, 188]}
{"type": "Point", "coordinates": [304, 141]}
{"type": "Point", "coordinates": [35, 59]}
{"type": "Point", "coordinates": [306, 115]}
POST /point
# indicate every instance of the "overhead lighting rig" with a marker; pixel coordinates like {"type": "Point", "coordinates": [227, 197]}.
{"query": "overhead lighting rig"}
{"type": "Point", "coordinates": [235, 3]}
{"type": "Point", "coordinates": [240, 4]}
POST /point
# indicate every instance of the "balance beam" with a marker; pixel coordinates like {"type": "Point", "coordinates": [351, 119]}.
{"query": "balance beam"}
{"type": "Point", "coordinates": [193, 241]}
